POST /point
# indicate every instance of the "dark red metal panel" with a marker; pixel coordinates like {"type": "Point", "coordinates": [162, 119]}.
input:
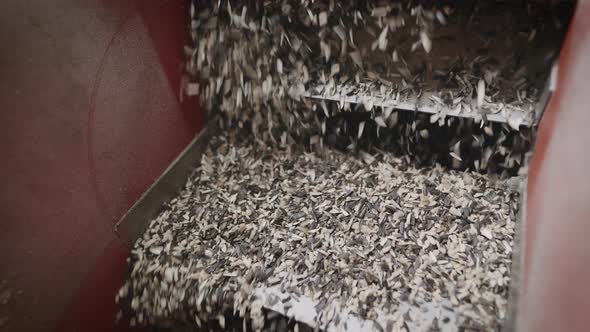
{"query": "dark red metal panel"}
{"type": "Point", "coordinates": [89, 117]}
{"type": "Point", "coordinates": [556, 291]}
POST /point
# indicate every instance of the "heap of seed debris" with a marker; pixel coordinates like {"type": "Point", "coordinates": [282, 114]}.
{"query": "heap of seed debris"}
{"type": "Point", "coordinates": [268, 65]}
{"type": "Point", "coordinates": [370, 238]}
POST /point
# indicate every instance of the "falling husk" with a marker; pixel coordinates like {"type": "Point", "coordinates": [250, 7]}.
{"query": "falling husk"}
{"type": "Point", "coordinates": [365, 176]}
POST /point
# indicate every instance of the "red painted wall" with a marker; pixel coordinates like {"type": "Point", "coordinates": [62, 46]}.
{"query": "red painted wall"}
{"type": "Point", "coordinates": [89, 117]}
{"type": "Point", "coordinates": [556, 291]}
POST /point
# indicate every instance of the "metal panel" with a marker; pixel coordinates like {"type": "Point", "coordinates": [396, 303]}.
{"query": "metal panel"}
{"type": "Point", "coordinates": [90, 117]}
{"type": "Point", "coordinates": [555, 289]}
{"type": "Point", "coordinates": [135, 221]}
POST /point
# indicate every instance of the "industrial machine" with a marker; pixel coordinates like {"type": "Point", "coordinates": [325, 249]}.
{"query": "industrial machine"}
{"type": "Point", "coordinates": [124, 64]}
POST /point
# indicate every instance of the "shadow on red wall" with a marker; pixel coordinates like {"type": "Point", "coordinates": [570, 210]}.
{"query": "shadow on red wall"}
{"type": "Point", "coordinates": [90, 117]}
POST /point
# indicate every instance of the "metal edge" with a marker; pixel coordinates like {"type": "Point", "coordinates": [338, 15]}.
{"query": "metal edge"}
{"type": "Point", "coordinates": [515, 290]}
{"type": "Point", "coordinates": [517, 262]}
{"type": "Point", "coordinates": [135, 221]}
{"type": "Point", "coordinates": [550, 87]}
{"type": "Point", "coordinates": [421, 106]}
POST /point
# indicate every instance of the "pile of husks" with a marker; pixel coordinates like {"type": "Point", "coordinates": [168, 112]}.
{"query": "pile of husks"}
{"type": "Point", "coordinates": [372, 241]}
